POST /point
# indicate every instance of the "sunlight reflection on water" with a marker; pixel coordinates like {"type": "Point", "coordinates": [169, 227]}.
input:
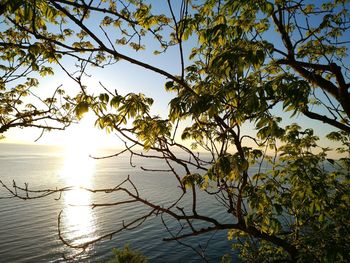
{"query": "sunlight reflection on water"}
{"type": "Point", "coordinates": [79, 222]}
{"type": "Point", "coordinates": [29, 232]}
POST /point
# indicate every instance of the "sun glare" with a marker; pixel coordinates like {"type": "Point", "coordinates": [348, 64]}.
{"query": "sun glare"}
{"type": "Point", "coordinates": [81, 139]}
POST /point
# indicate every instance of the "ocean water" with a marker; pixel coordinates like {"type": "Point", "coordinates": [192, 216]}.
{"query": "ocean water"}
{"type": "Point", "coordinates": [28, 228]}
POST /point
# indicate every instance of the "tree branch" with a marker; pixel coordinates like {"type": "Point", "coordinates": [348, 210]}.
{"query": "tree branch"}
{"type": "Point", "coordinates": [325, 119]}
{"type": "Point", "coordinates": [120, 55]}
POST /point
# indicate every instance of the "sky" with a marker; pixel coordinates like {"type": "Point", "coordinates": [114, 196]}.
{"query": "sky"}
{"type": "Point", "coordinates": [126, 77]}
{"type": "Point", "coordinates": [122, 76]}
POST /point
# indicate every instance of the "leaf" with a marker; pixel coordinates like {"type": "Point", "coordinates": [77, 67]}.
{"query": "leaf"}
{"type": "Point", "coordinates": [331, 161]}
{"type": "Point", "coordinates": [279, 208]}
{"type": "Point", "coordinates": [81, 108]}
{"type": "Point", "coordinates": [169, 85]}
{"type": "Point", "coordinates": [104, 97]}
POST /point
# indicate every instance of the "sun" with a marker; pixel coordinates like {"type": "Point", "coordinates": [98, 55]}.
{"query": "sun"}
{"type": "Point", "coordinates": [81, 139]}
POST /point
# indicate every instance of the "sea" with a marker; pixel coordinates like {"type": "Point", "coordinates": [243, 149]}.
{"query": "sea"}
{"type": "Point", "coordinates": [29, 228]}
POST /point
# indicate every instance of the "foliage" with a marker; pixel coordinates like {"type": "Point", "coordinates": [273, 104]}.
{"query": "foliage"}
{"type": "Point", "coordinates": [127, 255]}
{"type": "Point", "coordinates": [21, 65]}
{"type": "Point", "coordinates": [248, 59]}
{"type": "Point", "coordinates": [302, 195]}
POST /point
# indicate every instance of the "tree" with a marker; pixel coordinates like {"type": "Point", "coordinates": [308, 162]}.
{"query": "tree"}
{"type": "Point", "coordinates": [247, 59]}
{"type": "Point", "coordinates": [127, 255]}
{"type": "Point", "coordinates": [21, 65]}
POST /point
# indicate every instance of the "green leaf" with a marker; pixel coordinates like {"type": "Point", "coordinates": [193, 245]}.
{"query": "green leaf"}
{"type": "Point", "coordinates": [81, 108]}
